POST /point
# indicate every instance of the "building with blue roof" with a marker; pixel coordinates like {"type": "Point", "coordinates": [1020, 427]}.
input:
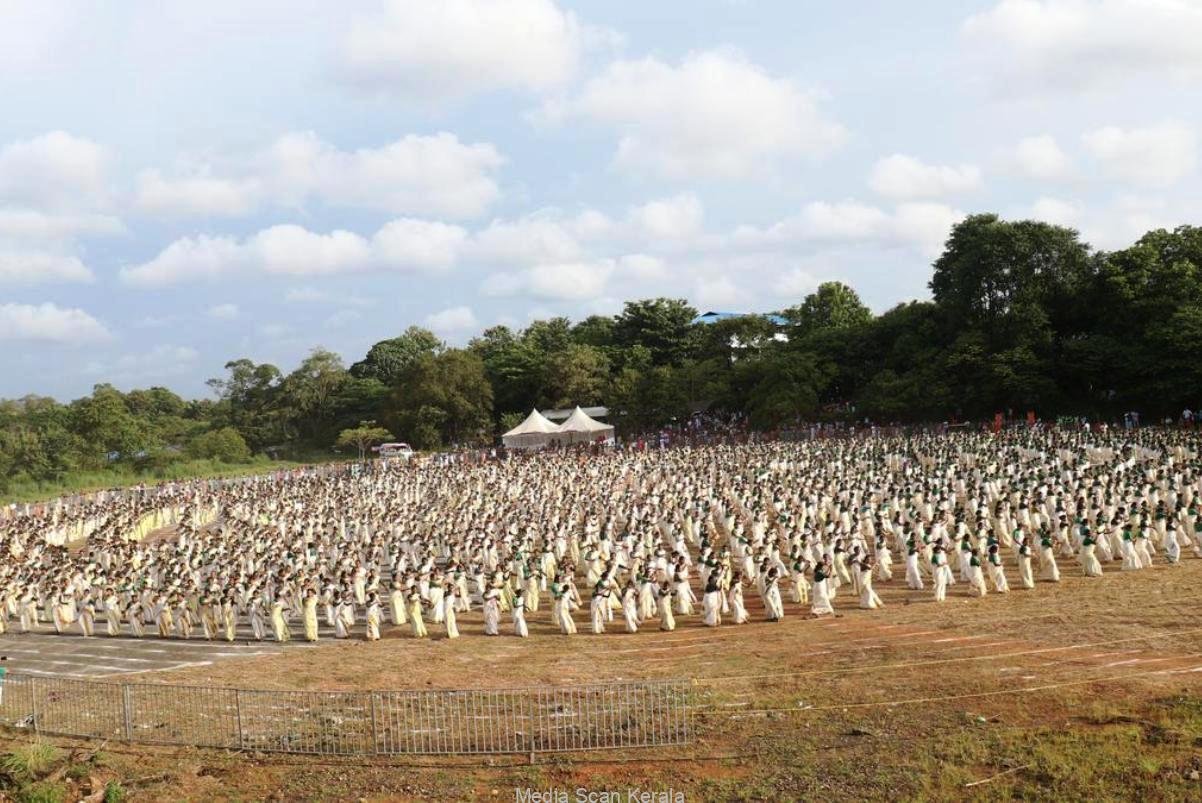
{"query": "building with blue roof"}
{"type": "Point", "coordinates": [714, 317]}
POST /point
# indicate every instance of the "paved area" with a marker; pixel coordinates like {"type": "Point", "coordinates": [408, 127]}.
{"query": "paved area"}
{"type": "Point", "coordinates": [104, 656]}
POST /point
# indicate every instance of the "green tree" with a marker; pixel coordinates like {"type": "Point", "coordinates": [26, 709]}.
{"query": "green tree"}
{"type": "Point", "coordinates": [1145, 314]}
{"type": "Point", "coordinates": [247, 400]}
{"type": "Point", "coordinates": [442, 399]}
{"type": "Point", "coordinates": [225, 445]}
{"type": "Point", "coordinates": [660, 325]}
{"type": "Point", "coordinates": [785, 385]}
{"type": "Point", "coordinates": [105, 423]}
{"type": "Point", "coordinates": [733, 338]}
{"type": "Point", "coordinates": [363, 437]}
{"type": "Point", "coordinates": [309, 394]}
{"type": "Point", "coordinates": [648, 397]}
{"type": "Point", "coordinates": [832, 306]}
{"type": "Point", "coordinates": [387, 361]}
{"type": "Point", "coordinates": [577, 375]}
{"type": "Point", "coordinates": [595, 330]}
{"type": "Point", "coordinates": [513, 367]}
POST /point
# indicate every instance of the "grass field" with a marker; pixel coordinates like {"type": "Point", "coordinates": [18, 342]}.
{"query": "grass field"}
{"type": "Point", "coordinates": [89, 481]}
{"type": "Point", "coordinates": [1085, 689]}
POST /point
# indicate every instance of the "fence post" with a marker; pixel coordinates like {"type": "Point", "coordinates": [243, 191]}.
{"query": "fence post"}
{"type": "Point", "coordinates": [238, 716]}
{"type": "Point", "coordinates": [530, 706]}
{"type": "Point", "coordinates": [375, 734]}
{"type": "Point", "coordinates": [127, 706]}
{"type": "Point", "coordinates": [33, 694]}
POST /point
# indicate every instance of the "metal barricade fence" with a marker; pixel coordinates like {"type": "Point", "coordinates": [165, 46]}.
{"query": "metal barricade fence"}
{"type": "Point", "coordinates": [423, 722]}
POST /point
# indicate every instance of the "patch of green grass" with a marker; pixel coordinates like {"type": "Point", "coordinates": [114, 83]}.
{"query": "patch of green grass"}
{"type": "Point", "coordinates": [30, 761]}
{"type": "Point", "coordinates": [114, 792]}
{"type": "Point", "coordinates": [42, 792]}
{"type": "Point", "coordinates": [120, 476]}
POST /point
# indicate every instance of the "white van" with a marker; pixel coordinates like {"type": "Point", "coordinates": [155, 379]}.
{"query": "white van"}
{"type": "Point", "coordinates": [390, 450]}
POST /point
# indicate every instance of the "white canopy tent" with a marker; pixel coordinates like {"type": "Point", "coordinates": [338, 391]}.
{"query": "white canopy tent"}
{"type": "Point", "coordinates": [533, 433]}
{"type": "Point", "coordinates": [580, 428]}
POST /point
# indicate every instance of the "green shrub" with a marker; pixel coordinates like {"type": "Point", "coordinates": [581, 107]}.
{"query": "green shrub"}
{"type": "Point", "coordinates": [42, 792]}
{"type": "Point", "coordinates": [114, 792]}
{"type": "Point", "coordinates": [31, 761]}
{"type": "Point", "coordinates": [225, 444]}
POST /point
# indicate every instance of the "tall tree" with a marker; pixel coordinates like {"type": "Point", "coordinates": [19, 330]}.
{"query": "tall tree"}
{"type": "Point", "coordinates": [661, 325]}
{"type": "Point", "coordinates": [309, 393]}
{"type": "Point", "coordinates": [105, 422]}
{"type": "Point", "coordinates": [443, 399]}
{"type": "Point", "coordinates": [513, 368]}
{"type": "Point", "coordinates": [832, 306]}
{"type": "Point", "coordinates": [363, 437]}
{"type": "Point", "coordinates": [247, 400]}
{"type": "Point", "coordinates": [577, 375]}
{"type": "Point", "coordinates": [388, 360]}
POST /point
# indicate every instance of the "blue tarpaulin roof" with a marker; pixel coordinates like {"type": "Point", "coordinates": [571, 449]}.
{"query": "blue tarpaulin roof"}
{"type": "Point", "coordinates": [713, 317]}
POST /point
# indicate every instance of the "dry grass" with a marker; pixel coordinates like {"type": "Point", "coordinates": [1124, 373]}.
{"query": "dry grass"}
{"type": "Point", "coordinates": [1086, 689]}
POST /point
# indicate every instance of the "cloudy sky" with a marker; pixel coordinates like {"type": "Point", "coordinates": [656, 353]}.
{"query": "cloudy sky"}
{"type": "Point", "coordinates": [186, 183]}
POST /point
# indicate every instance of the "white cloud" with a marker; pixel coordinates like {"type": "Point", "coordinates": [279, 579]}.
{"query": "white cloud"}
{"type": "Point", "coordinates": [49, 323]}
{"type": "Point", "coordinates": [33, 225]}
{"type": "Point", "coordinates": [715, 114]}
{"type": "Point", "coordinates": [673, 218]}
{"type": "Point", "coordinates": [921, 226]}
{"type": "Point", "coordinates": [1125, 218]}
{"type": "Point", "coordinates": [1156, 156]}
{"type": "Point", "coordinates": [573, 280]}
{"type": "Point", "coordinates": [433, 175]}
{"type": "Point", "coordinates": [311, 295]}
{"type": "Point", "coordinates": [223, 312]}
{"type": "Point", "coordinates": [1087, 43]}
{"type": "Point", "coordinates": [34, 267]}
{"type": "Point", "coordinates": [457, 47]}
{"type": "Point", "coordinates": [643, 267]}
{"type": "Point", "coordinates": [925, 226]}
{"type": "Point", "coordinates": [719, 292]}
{"type": "Point", "coordinates": [904, 177]}
{"type": "Point", "coordinates": [162, 360]}
{"type": "Point", "coordinates": [188, 259]}
{"type": "Point", "coordinates": [401, 245]}
{"type": "Point", "coordinates": [304, 295]}
{"type": "Point", "coordinates": [32, 34]}
{"type": "Point", "coordinates": [296, 251]}
{"type": "Point", "coordinates": [819, 220]}
{"type": "Point", "coordinates": [54, 170]}
{"type": "Point", "coordinates": [200, 195]}
{"type": "Point", "coordinates": [273, 330]}
{"type": "Point", "coordinates": [452, 321]}
{"type": "Point", "coordinates": [1054, 210]}
{"type": "Point", "coordinates": [568, 281]}
{"type": "Point", "coordinates": [534, 238]}
{"type": "Point", "coordinates": [342, 318]}
{"type": "Point", "coordinates": [1040, 157]}
{"type": "Point", "coordinates": [420, 244]}
{"type": "Point", "coordinates": [795, 283]}
{"type": "Point", "coordinates": [591, 224]}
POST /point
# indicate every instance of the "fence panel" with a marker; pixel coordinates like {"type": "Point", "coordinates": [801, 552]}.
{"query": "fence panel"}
{"type": "Point", "coordinates": [426, 722]}
{"type": "Point", "coordinates": [17, 701]}
{"type": "Point", "coordinates": [79, 707]}
{"type": "Point", "coordinates": [183, 715]}
{"type": "Point", "coordinates": [326, 723]}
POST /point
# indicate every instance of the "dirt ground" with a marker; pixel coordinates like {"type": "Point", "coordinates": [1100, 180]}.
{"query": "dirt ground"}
{"type": "Point", "coordinates": [1090, 688]}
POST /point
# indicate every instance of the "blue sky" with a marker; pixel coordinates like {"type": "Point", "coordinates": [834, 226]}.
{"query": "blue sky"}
{"type": "Point", "coordinates": [184, 184]}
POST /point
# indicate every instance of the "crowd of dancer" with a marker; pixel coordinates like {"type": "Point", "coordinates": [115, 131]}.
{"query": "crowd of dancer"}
{"type": "Point", "coordinates": [622, 540]}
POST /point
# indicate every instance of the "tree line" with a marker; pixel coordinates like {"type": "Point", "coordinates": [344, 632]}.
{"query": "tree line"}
{"type": "Point", "coordinates": [1023, 316]}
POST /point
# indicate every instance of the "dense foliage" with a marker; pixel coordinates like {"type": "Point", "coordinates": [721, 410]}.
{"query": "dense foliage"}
{"type": "Point", "coordinates": [1023, 316]}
